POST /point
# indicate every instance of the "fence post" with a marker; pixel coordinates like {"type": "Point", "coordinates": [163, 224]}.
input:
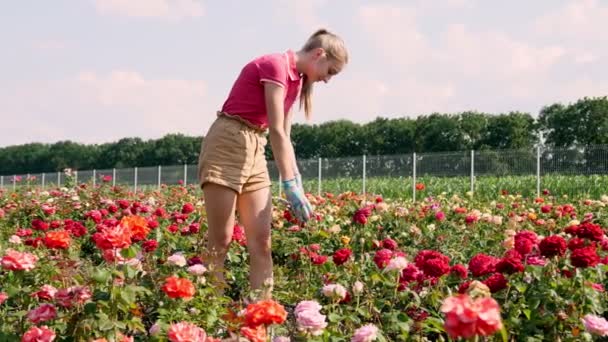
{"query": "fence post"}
{"type": "Point", "coordinates": [185, 174]}
{"type": "Point", "coordinates": [472, 171]}
{"type": "Point", "coordinates": [538, 171]}
{"type": "Point", "coordinates": [94, 177]}
{"type": "Point", "coordinates": [14, 182]}
{"type": "Point", "coordinates": [135, 180]}
{"type": "Point", "coordinates": [76, 177]}
{"type": "Point", "coordinates": [113, 177]}
{"type": "Point", "coordinates": [2, 182]}
{"type": "Point", "coordinates": [364, 175]}
{"type": "Point", "coordinates": [319, 182]}
{"type": "Point", "coordinates": [43, 179]}
{"type": "Point", "coordinates": [414, 176]}
{"type": "Point", "coordinates": [159, 175]}
{"type": "Point", "coordinates": [280, 186]}
{"type": "Point", "coordinates": [58, 179]}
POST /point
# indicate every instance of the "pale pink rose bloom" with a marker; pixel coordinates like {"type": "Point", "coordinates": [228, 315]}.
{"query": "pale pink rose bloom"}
{"type": "Point", "coordinates": [281, 339]}
{"type": "Point", "coordinates": [177, 259]}
{"type": "Point", "coordinates": [596, 325]}
{"type": "Point", "coordinates": [358, 288]}
{"type": "Point", "coordinates": [3, 297]}
{"type": "Point", "coordinates": [334, 291]}
{"type": "Point", "coordinates": [366, 333]}
{"type": "Point", "coordinates": [15, 240]}
{"type": "Point", "coordinates": [309, 318]}
{"type": "Point", "coordinates": [197, 269]}
{"type": "Point", "coordinates": [397, 264]}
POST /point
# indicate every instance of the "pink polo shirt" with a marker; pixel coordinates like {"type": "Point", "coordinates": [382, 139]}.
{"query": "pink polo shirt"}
{"type": "Point", "coordinates": [246, 98]}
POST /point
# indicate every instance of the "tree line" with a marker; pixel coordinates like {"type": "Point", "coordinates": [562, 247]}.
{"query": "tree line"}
{"type": "Point", "coordinates": [582, 123]}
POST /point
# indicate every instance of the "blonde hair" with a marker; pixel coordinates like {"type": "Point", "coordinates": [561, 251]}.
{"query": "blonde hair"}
{"type": "Point", "coordinates": [335, 49]}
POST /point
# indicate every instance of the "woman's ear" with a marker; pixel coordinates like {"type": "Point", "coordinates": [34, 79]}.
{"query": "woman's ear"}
{"type": "Point", "coordinates": [318, 52]}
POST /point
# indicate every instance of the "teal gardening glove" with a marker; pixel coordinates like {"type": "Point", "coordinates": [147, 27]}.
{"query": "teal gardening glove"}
{"type": "Point", "coordinates": [298, 201]}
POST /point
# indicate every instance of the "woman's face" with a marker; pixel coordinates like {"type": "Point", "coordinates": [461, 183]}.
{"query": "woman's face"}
{"type": "Point", "coordinates": [323, 67]}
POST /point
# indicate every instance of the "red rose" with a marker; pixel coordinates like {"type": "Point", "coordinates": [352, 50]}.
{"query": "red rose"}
{"type": "Point", "coordinates": [482, 264]}
{"type": "Point", "coordinates": [510, 263]}
{"type": "Point", "coordinates": [38, 224]}
{"type": "Point", "coordinates": [496, 282]}
{"type": "Point", "coordinates": [150, 245]}
{"type": "Point", "coordinates": [342, 255]}
{"type": "Point", "coordinates": [318, 259]}
{"type": "Point", "coordinates": [584, 257]}
{"type": "Point", "coordinates": [187, 208]}
{"type": "Point", "coordinates": [436, 267]}
{"type": "Point", "coordinates": [588, 230]}
{"type": "Point", "coordinates": [410, 273]}
{"type": "Point", "coordinates": [382, 257]}
{"type": "Point", "coordinates": [576, 243]}
{"type": "Point", "coordinates": [552, 245]}
{"type": "Point", "coordinates": [362, 214]}
{"type": "Point", "coordinates": [389, 244]}
{"type": "Point", "coordinates": [459, 270]}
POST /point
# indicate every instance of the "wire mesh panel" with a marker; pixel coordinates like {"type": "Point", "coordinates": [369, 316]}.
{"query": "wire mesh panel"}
{"type": "Point", "coordinates": [511, 171]}
{"type": "Point", "coordinates": [147, 176]}
{"type": "Point", "coordinates": [125, 177]}
{"type": "Point", "coordinates": [171, 175]}
{"type": "Point", "coordinates": [342, 174]}
{"type": "Point", "coordinates": [192, 177]}
{"type": "Point", "coordinates": [590, 160]}
{"type": "Point", "coordinates": [389, 175]}
{"type": "Point", "coordinates": [85, 176]}
{"type": "Point", "coordinates": [503, 163]}
{"type": "Point", "coordinates": [309, 170]}
{"type": "Point", "coordinates": [442, 172]}
{"type": "Point", "coordinates": [443, 164]}
{"type": "Point", "coordinates": [100, 174]}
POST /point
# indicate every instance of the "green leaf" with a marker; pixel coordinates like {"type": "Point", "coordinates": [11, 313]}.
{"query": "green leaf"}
{"type": "Point", "coordinates": [129, 253]}
{"type": "Point", "coordinates": [101, 275]}
{"type": "Point", "coordinates": [332, 317]}
{"type": "Point", "coordinates": [504, 334]}
{"type": "Point", "coordinates": [90, 308]}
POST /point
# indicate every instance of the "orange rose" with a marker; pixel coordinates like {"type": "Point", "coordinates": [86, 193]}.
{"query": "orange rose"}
{"type": "Point", "coordinates": [265, 312]}
{"type": "Point", "coordinates": [176, 287]}
{"type": "Point", "coordinates": [137, 225]}
{"type": "Point", "coordinates": [59, 239]}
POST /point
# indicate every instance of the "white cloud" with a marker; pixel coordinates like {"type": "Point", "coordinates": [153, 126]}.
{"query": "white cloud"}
{"type": "Point", "coordinates": [49, 45]}
{"type": "Point", "coordinates": [170, 9]}
{"type": "Point", "coordinates": [494, 54]}
{"type": "Point", "coordinates": [303, 13]}
{"type": "Point", "coordinates": [95, 107]}
{"type": "Point", "coordinates": [393, 31]}
{"type": "Point", "coordinates": [580, 19]}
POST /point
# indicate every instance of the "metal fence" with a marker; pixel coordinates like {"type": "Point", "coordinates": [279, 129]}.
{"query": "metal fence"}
{"type": "Point", "coordinates": [470, 165]}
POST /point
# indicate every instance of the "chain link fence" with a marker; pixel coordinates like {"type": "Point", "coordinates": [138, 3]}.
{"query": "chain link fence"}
{"type": "Point", "coordinates": [523, 170]}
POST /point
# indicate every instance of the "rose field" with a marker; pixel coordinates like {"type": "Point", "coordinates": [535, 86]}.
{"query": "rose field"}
{"type": "Point", "coordinates": [91, 262]}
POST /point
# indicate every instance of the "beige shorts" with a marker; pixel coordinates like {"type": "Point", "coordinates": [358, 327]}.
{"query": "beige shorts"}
{"type": "Point", "coordinates": [232, 155]}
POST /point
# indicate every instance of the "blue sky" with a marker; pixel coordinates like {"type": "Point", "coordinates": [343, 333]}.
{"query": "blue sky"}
{"type": "Point", "coordinates": [95, 71]}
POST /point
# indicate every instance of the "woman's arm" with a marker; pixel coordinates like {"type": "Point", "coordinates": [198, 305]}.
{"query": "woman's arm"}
{"type": "Point", "coordinates": [279, 135]}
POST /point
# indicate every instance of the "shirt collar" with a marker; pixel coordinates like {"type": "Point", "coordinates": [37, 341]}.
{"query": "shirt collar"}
{"type": "Point", "coordinates": [294, 75]}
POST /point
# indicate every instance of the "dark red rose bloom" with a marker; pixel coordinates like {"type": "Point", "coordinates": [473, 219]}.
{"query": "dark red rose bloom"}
{"type": "Point", "coordinates": [482, 264]}
{"type": "Point", "coordinates": [510, 263]}
{"type": "Point", "coordinates": [459, 270]}
{"type": "Point", "coordinates": [342, 255]}
{"type": "Point", "coordinates": [588, 230]}
{"type": "Point", "coordinates": [496, 282]}
{"type": "Point", "coordinates": [584, 257]}
{"type": "Point", "coordinates": [553, 245]}
{"type": "Point", "coordinates": [382, 257]}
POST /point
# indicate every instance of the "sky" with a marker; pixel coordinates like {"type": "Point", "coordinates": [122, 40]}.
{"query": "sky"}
{"type": "Point", "coordinates": [96, 71]}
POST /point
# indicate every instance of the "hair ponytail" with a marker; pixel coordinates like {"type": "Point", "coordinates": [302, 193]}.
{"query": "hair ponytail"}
{"type": "Point", "coordinates": [335, 49]}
